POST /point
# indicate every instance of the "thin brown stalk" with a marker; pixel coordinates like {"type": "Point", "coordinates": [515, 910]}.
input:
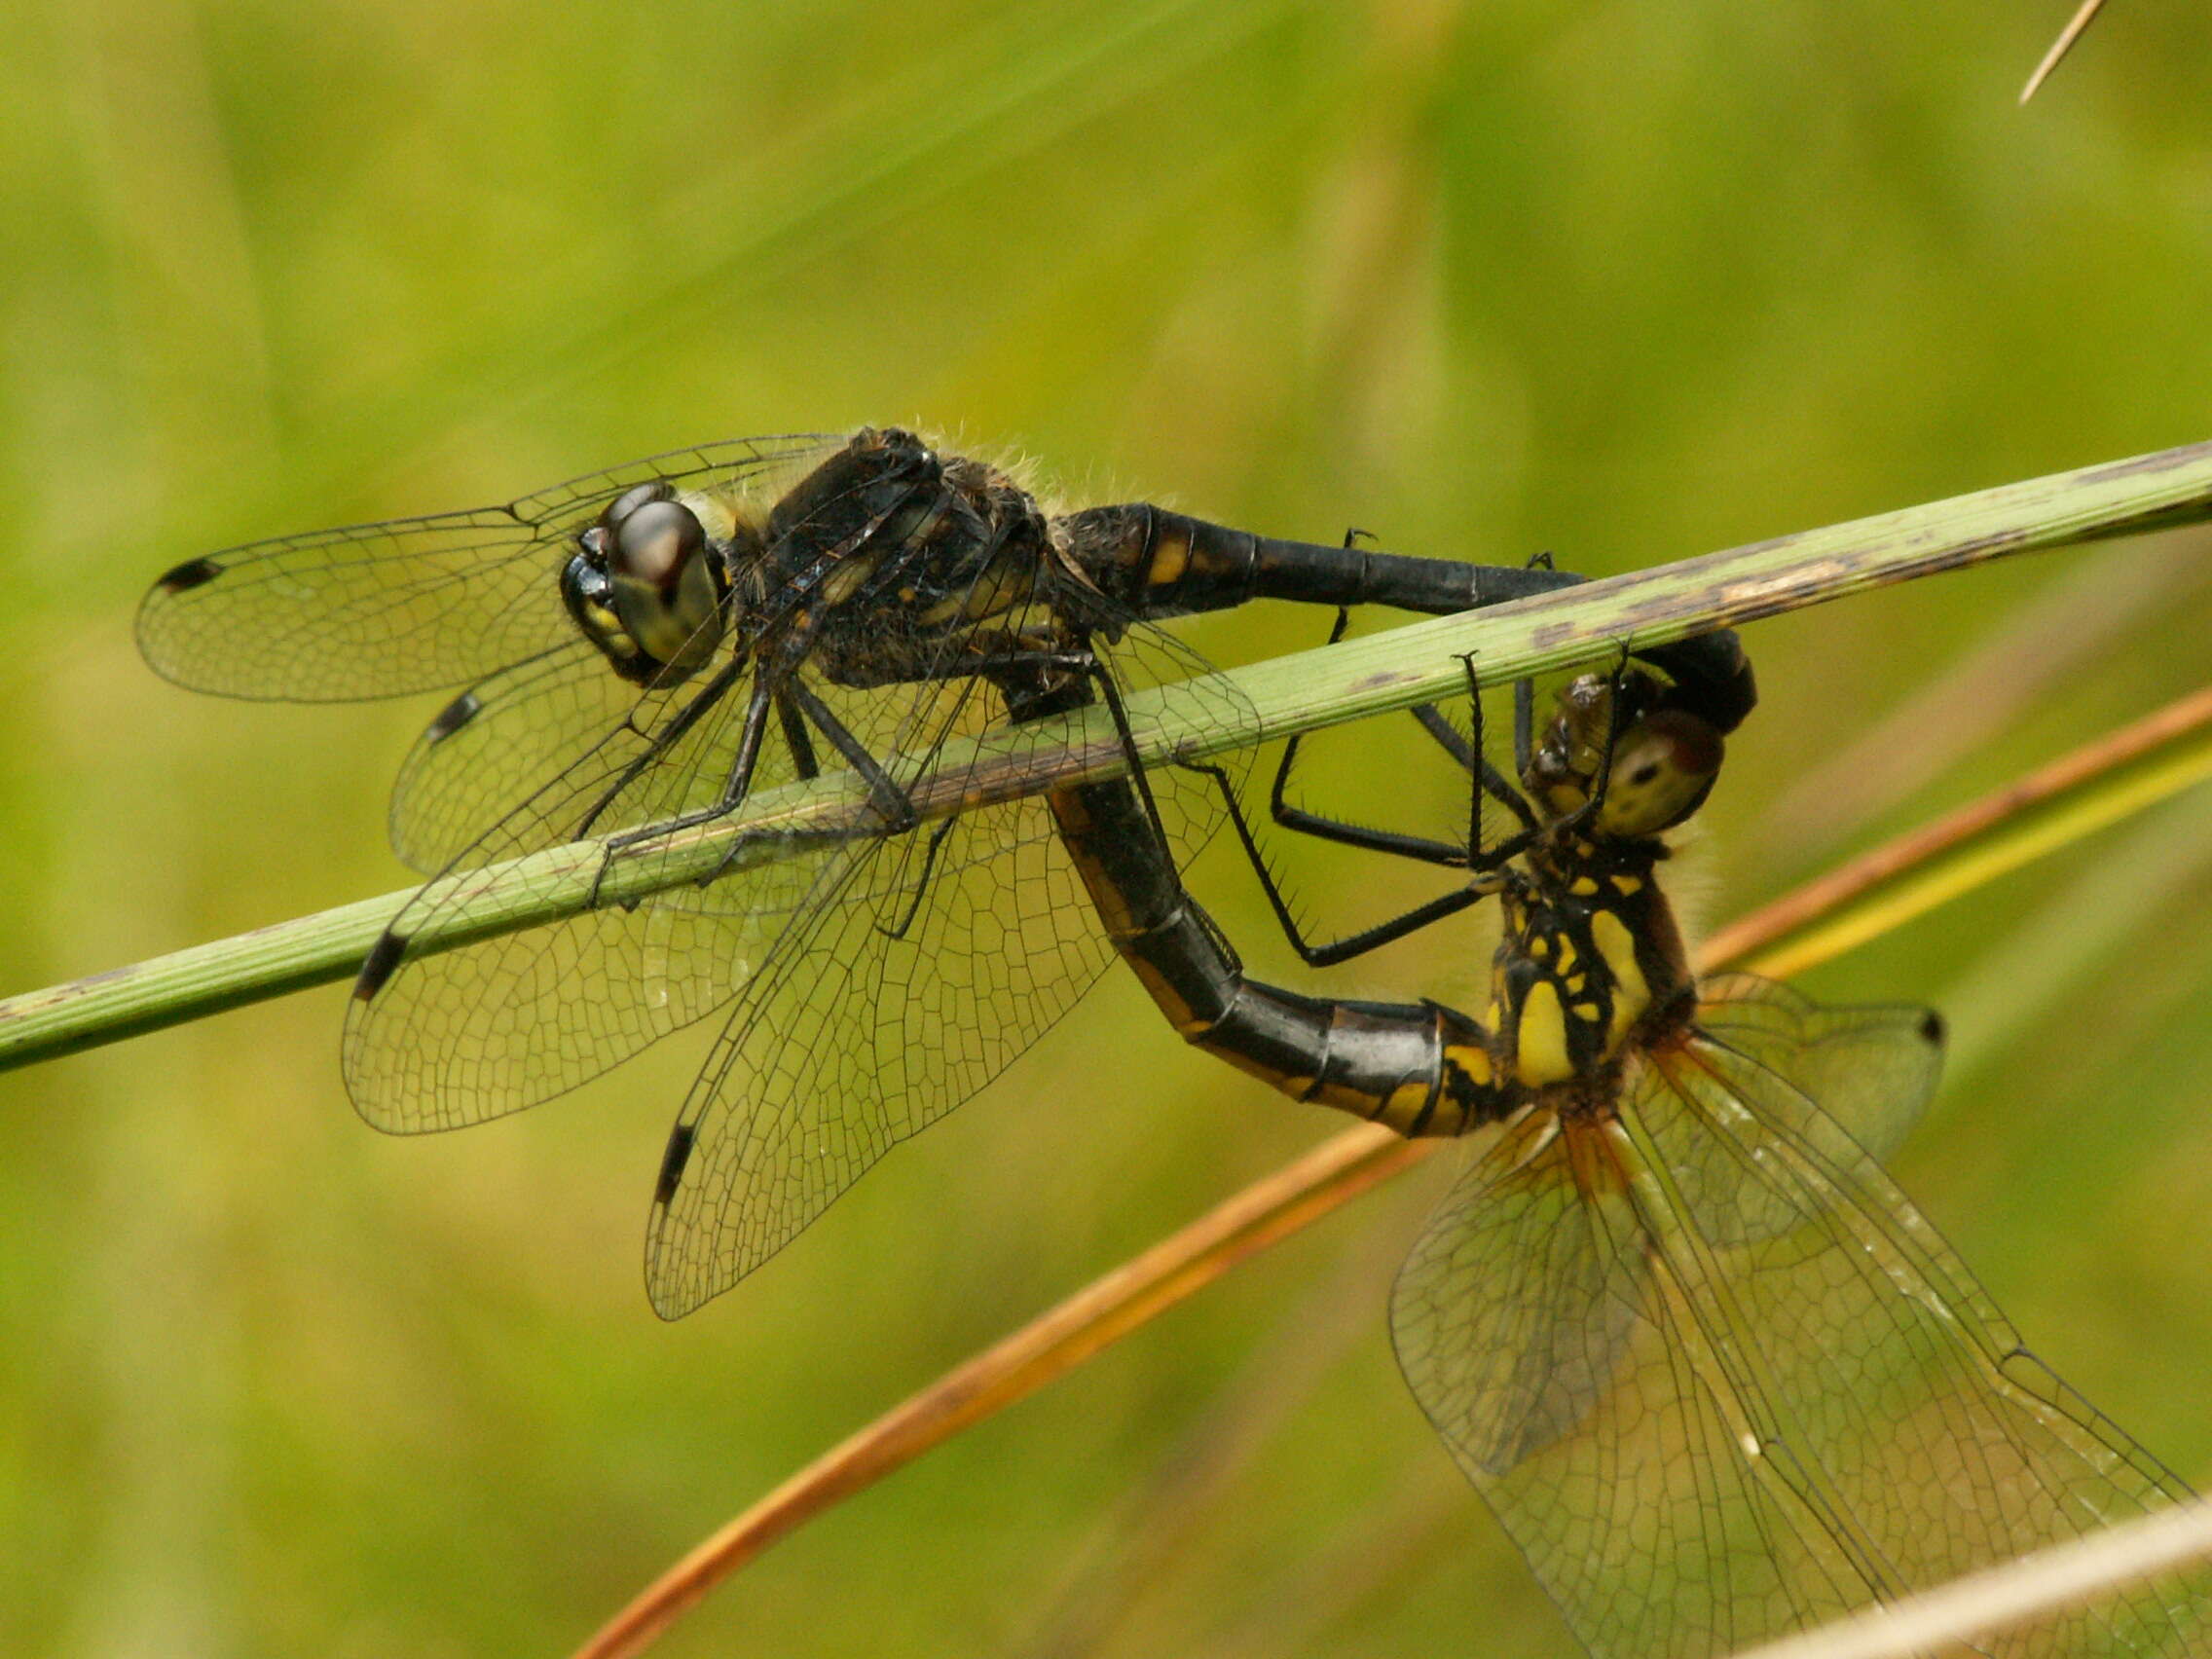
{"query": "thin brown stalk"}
{"type": "Point", "coordinates": [1773, 939]}
{"type": "Point", "coordinates": [1290, 1199]}
{"type": "Point", "coordinates": [1270, 1210]}
{"type": "Point", "coordinates": [2060, 47]}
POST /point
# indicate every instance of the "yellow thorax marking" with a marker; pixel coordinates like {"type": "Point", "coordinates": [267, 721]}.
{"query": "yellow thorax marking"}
{"type": "Point", "coordinates": [849, 573]}
{"type": "Point", "coordinates": [1631, 995]}
{"type": "Point", "coordinates": [1540, 1050]}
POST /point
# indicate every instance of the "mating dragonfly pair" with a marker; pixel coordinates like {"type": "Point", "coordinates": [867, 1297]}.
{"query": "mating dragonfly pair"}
{"type": "Point", "coordinates": [1714, 1373]}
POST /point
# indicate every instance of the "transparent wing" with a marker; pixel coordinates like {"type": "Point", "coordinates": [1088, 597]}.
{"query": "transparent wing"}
{"type": "Point", "coordinates": [1705, 1430]}
{"type": "Point", "coordinates": [412, 605]}
{"type": "Point", "coordinates": [1872, 1069]}
{"type": "Point", "coordinates": [905, 984]}
{"type": "Point", "coordinates": [496, 744]}
{"type": "Point", "coordinates": [438, 1040]}
{"type": "Point", "coordinates": [862, 1036]}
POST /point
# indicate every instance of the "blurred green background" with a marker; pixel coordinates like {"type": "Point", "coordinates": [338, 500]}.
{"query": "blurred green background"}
{"type": "Point", "coordinates": [1628, 282]}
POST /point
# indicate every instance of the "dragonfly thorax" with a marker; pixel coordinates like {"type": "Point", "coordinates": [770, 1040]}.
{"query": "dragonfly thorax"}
{"type": "Point", "coordinates": [886, 554]}
{"type": "Point", "coordinates": [1589, 955]}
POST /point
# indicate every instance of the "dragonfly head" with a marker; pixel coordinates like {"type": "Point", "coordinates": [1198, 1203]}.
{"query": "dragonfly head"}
{"type": "Point", "coordinates": [1664, 757]}
{"type": "Point", "coordinates": [647, 586]}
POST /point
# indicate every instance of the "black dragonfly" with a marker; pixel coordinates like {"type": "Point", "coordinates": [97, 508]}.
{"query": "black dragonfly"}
{"type": "Point", "coordinates": [652, 647]}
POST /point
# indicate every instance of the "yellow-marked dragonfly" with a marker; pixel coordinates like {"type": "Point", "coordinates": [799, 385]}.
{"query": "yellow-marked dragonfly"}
{"type": "Point", "coordinates": [1714, 1374]}
{"type": "Point", "coordinates": [645, 649]}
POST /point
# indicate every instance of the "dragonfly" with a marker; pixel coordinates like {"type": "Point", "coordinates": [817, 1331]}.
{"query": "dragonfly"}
{"type": "Point", "coordinates": [647, 649]}
{"type": "Point", "coordinates": [1716, 1375]}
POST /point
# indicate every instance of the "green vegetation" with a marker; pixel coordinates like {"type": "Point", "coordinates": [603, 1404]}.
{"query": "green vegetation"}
{"type": "Point", "coordinates": [1627, 284]}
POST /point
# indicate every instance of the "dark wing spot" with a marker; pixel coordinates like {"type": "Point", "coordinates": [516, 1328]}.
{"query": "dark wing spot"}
{"type": "Point", "coordinates": [384, 956]}
{"type": "Point", "coordinates": [672, 1162]}
{"type": "Point", "coordinates": [192, 574]}
{"type": "Point", "coordinates": [1931, 1029]}
{"type": "Point", "coordinates": [454, 716]}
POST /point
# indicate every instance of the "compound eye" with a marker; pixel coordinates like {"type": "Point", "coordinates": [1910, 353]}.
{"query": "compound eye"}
{"type": "Point", "coordinates": [665, 583]}
{"type": "Point", "coordinates": [1663, 769]}
{"type": "Point", "coordinates": [634, 498]}
{"type": "Point", "coordinates": [654, 541]}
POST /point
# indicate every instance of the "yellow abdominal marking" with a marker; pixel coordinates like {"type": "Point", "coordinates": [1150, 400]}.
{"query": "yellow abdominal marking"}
{"type": "Point", "coordinates": [1583, 886]}
{"type": "Point", "coordinates": [1170, 557]}
{"type": "Point", "coordinates": [1540, 1053]}
{"type": "Point", "coordinates": [1631, 995]}
{"type": "Point", "coordinates": [1359, 1102]}
{"type": "Point", "coordinates": [1405, 1103]}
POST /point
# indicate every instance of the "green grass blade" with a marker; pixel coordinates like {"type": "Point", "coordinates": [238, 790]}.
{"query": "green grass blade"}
{"type": "Point", "coordinates": [1290, 694]}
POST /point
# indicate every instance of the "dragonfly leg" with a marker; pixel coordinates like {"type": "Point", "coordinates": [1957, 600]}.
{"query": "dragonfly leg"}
{"type": "Point", "coordinates": [658, 743]}
{"type": "Point", "coordinates": [1299, 821]}
{"type": "Point", "coordinates": [884, 792]}
{"type": "Point", "coordinates": [1352, 944]}
{"type": "Point", "coordinates": [805, 766]}
{"type": "Point", "coordinates": [921, 887]}
{"type": "Point", "coordinates": [734, 790]}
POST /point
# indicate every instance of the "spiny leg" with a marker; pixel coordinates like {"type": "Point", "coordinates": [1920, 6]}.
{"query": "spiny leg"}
{"type": "Point", "coordinates": [1489, 782]}
{"type": "Point", "coordinates": [658, 743]}
{"type": "Point", "coordinates": [735, 785]}
{"type": "Point", "coordinates": [1367, 838]}
{"type": "Point", "coordinates": [1352, 945]}
{"type": "Point", "coordinates": [885, 795]}
{"type": "Point", "coordinates": [805, 766]}
{"type": "Point", "coordinates": [922, 885]}
{"type": "Point", "coordinates": [1082, 661]}
{"type": "Point", "coordinates": [1110, 693]}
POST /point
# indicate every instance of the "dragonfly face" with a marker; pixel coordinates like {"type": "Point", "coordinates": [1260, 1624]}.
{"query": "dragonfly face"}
{"type": "Point", "coordinates": [648, 585]}
{"type": "Point", "coordinates": [1659, 748]}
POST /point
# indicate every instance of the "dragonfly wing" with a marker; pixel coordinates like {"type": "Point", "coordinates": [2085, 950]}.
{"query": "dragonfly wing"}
{"type": "Point", "coordinates": [1510, 1315]}
{"type": "Point", "coordinates": [409, 605]}
{"type": "Point", "coordinates": [366, 611]}
{"type": "Point", "coordinates": [1776, 1421]}
{"type": "Point", "coordinates": [883, 1011]}
{"type": "Point", "coordinates": [1872, 1068]}
{"type": "Point", "coordinates": [758, 466]}
{"type": "Point", "coordinates": [438, 1040]}
{"type": "Point", "coordinates": [495, 743]}
{"type": "Point", "coordinates": [1881, 1399]}
{"type": "Point", "coordinates": [860, 1035]}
